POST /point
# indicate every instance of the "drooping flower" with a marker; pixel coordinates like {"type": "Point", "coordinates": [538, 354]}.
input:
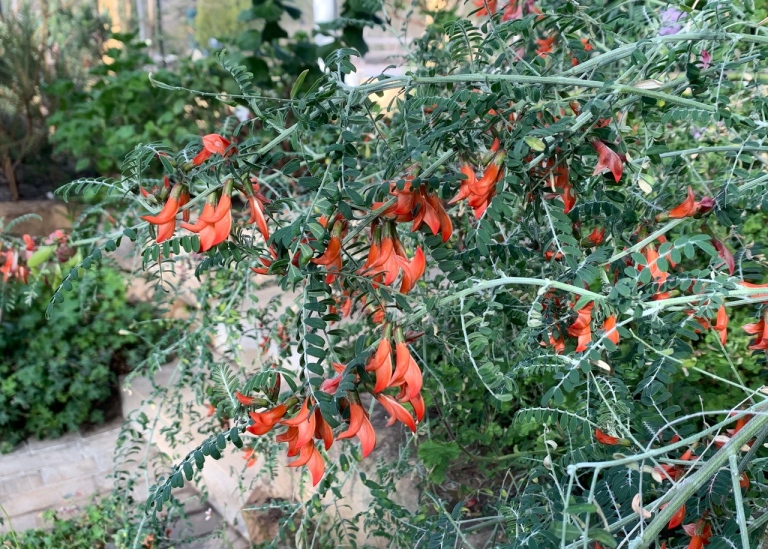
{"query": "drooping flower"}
{"type": "Point", "coordinates": [607, 159]}
{"type": "Point", "coordinates": [380, 363]}
{"type": "Point", "coordinates": [677, 518]}
{"type": "Point", "coordinates": [602, 438]}
{"type": "Point", "coordinates": [725, 254]}
{"type": "Point", "coordinates": [699, 532]}
{"type": "Point", "coordinates": [544, 46]}
{"type": "Point", "coordinates": [721, 324]}
{"type": "Point", "coordinates": [690, 207]}
{"type": "Point", "coordinates": [256, 203]}
{"type": "Point", "coordinates": [597, 236]}
{"type": "Point", "coordinates": [487, 7]}
{"type": "Point", "coordinates": [249, 455]}
{"type": "Point", "coordinates": [760, 329]}
{"type": "Point", "coordinates": [264, 422]}
{"type": "Point", "coordinates": [215, 222]}
{"type": "Point", "coordinates": [213, 143]}
{"type": "Point", "coordinates": [360, 426]}
{"type": "Point", "coordinates": [480, 192]}
{"type": "Point", "coordinates": [166, 219]}
{"type": "Point", "coordinates": [310, 456]}
{"type": "Point", "coordinates": [610, 329]}
{"type": "Point", "coordinates": [304, 422]}
{"type": "Point", "coordinates": [581, 327]}
{"type": "Point", "coordinates": [396, 412]}
{"type": "Point", "coordinates": [407, 373]}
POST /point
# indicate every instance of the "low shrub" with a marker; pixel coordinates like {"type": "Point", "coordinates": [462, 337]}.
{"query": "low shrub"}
{"type": "Point", "coordinates": [57, 374]}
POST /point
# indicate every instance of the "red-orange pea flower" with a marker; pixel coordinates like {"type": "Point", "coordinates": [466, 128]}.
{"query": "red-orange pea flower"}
{"type": "Point", "coordinates": [249, 454]}
{"type": "Point", "coordinates": [214, 223]}
{"type": "Point", "coordinates": [166, 219]}
{"type": "Point", "coordinates": [244, 400]}
{"type": "Point", "coordinates": [360, 426]}
{"type": "Point", "coordinates": [602, 438]}
{"type": "Point", "coordinates": [407, 372]}
{"type": "Point", "coordinates": [610, 329]}
{"type": "Point", "coordinates": [396, 412]}
{"type": "Point", "coordinates": [597, 236]}
{"type": "Point", "coordinates": [607, 159]}
{"type": "Point", "coordinates": [381, 364]}
{"type": "Point", "coordinates": [581, 327]}
{"type": "Point", "coordinates": [721, 324]}
{"type": "Point", "coordinates": [310, 456]}
{"type": "Point", "coordinates": [677, 518]}
{"type": "Point", "coordinates": [264, 422]}
{"type": "Point", "coordinates": [690, 207]}
{"type": "Point", "coordinates": [304, 422]}
{"type": "Point", "coordinates": [487, 7]}
{"type": "Point", "coordinates": [213, 143]}
{"type": "Point", "coordinates": [544, 46]}
{"type": "Point", "coordinates": [699, 532]}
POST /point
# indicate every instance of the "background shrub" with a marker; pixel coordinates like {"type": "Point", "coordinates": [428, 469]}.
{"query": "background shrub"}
{"type": "Point", "coordinates": [57, 374]}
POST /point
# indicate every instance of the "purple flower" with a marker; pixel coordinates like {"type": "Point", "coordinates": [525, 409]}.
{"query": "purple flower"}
{"type": "Point", "coordinates": [670, 24]}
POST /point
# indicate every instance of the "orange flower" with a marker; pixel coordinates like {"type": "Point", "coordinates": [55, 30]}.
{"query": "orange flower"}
{"type": "Point", "coordinates": [686, 208]}
{"type": "Point", "coordinates": [480, 192]}
{"type": "Point", "coordinates": [311, 457]}
{"type": "Point", "coordinates": [487, 7]}
{"type": "Point", "coordinates": [264, 422]}
{"type": "Point", "coordinates": [419, 207]}
{"type": "Point", "coordinates": [602, 438]}
{"type": "Point", "coordinates": [690, 207]}
{"type": "Point", "coordinates": [166, 219]}
{"type": "Point", "coordinates": [381, 363]}
{"type": "Point", "coordinates": [360, 426]}
{"type": "Point", "coordinates": [256, 203]}
{"type": "Point", "coordinates": [407, 373]}
{"type": "Point", "coordinates": [557, 344]}
{"type": "Point", "coordinates": [396, 412]}
{"type": "Point", "coordinates": [304, 422]}
{"type": "Point", "coordinates": [323, 431]}
{"type": "Point", "coordinates": [610, 329]}
{"type": "Point", "coordinates": [761, 330]}
{"type": "Point", "coordinates": [545, 46]}
{"type": "Point", "coordinates": [699, 532]}
{"type": "Point", "coordinates": [721, 324]}
{"type": "Point", "coordinates": [581, 327]}
{"type": "Point", "coordinates": [214, 224]}
{"type": "Point", "coordinates": [331, 257]}
{"type": "Point", "coordinates": [242, 399]}
{"type": "Point", "coordinates": [249, 454]}
{"type": "Point", "coordinates": [213, 143]}
{"type": "Point", "coordinates": [651, 258]}
{"type": "Point", "coordinates": [677, 518]}
{"type": "Point", "coordinates": [586, 44]}
{"type": "Point", "coordinates": [597, 236]}
{"type": "Point", "coordinates": [607, 160]}
{"type": "Point", "coordinates": [412, 270]}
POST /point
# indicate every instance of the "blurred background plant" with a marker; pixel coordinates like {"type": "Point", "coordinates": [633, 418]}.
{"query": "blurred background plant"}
{"type": "Point", "coordinates": [60, 373]}
{"type": "Point", "coordinates": [40, 42]}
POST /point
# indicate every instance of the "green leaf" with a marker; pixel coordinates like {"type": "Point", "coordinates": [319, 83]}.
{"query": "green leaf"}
{"type": "Point", "coordinates": [601, 536]}
{"type": "Point", "coordinates": [299, 81]}
{"type": "Point", "coordinates": [535, 143]}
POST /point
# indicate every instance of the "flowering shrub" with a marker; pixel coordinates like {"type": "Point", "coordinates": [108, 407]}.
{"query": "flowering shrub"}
{"type": "Point", "coordinates": [531, 260]}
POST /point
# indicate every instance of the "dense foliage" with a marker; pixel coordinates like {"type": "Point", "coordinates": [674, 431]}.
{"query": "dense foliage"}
{"type": "Point", "coordinates": [59, 373]}
{"type": "Point", "coordinates": [545, 260]}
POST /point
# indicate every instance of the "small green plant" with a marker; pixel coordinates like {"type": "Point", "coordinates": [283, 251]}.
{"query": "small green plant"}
{"type": "Point", "coordinates": [124, 108]}
{"type": "Point", "coordinates": [56, 375]}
